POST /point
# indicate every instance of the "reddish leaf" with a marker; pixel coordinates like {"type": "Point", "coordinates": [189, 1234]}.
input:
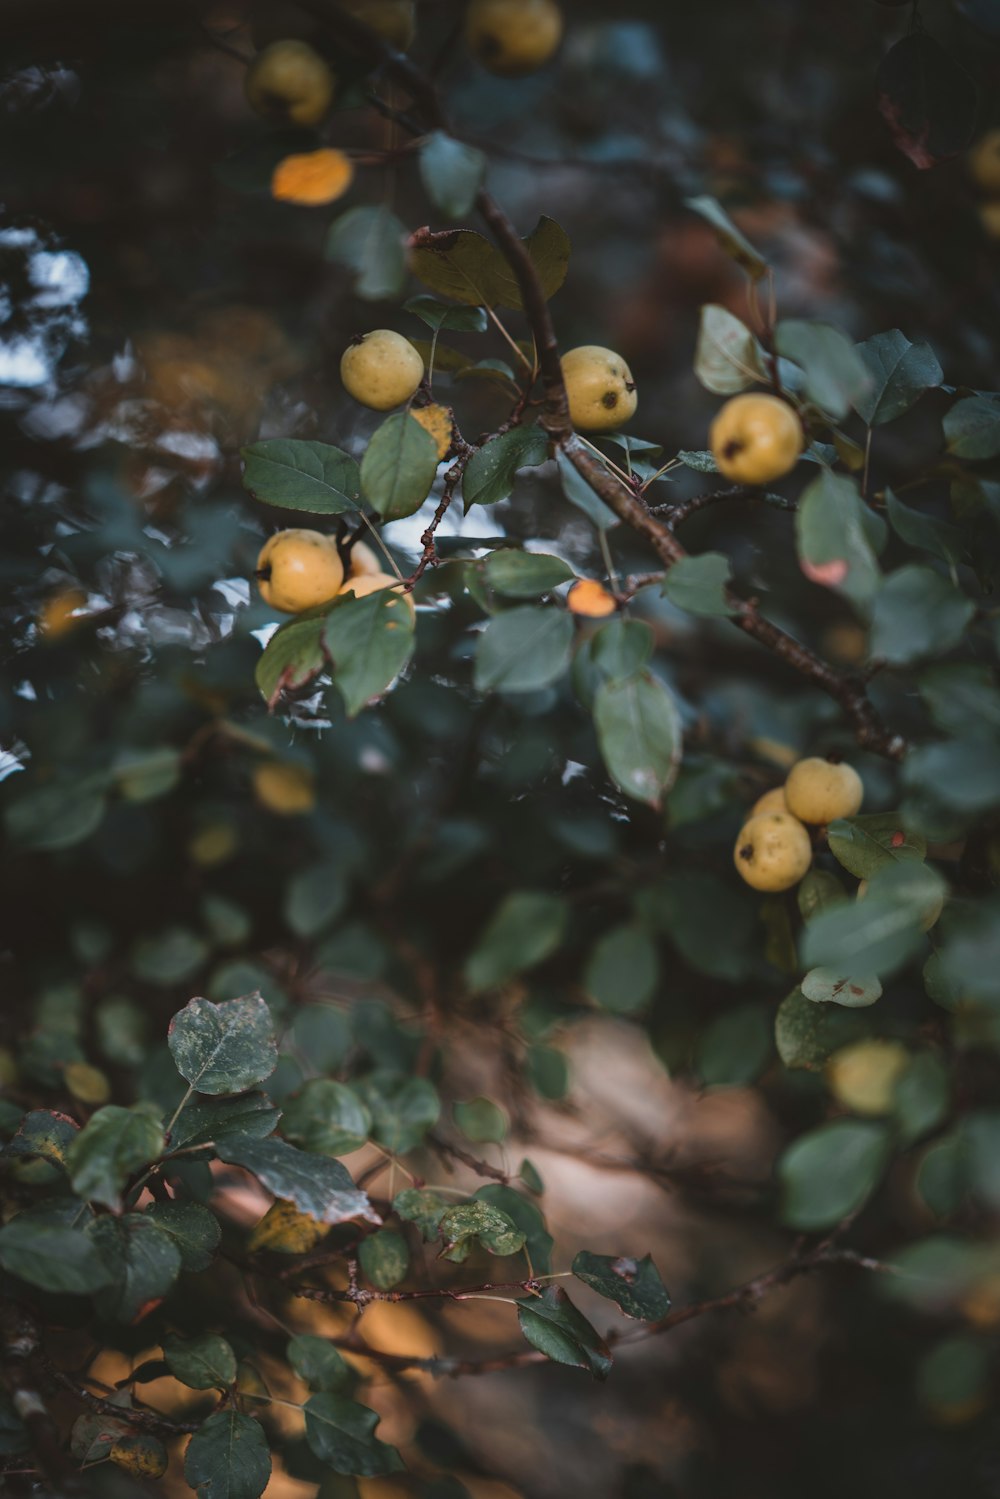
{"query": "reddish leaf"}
{"type": "Point", "coordinates": [927, 100]}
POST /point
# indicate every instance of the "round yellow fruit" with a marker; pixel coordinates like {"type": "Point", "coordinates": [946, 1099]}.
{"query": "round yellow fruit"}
{"type": "Point", "coordinates": [298, 570]}
{"type": "Point", "coordinates": [863, 1077]}
{"type": "Point", "coordinates": [773, 851]}
{"type": "Point", "coordinates": [62, 613]}
{"type": "Point", "coordinates": [290, 81]}
{"type": "Point", "coordinates": [437, 421]}
{"type": "Point", "coordinates": [393, 20]}
{"type": "Point", "coordinates": [362, 584]}
{"type": "Point", "coordinates": [513, 37]}
{"type": "Point", "coordinates": [989, 217]}
{"type": "Point", "coordinates": [984, 162]}
{"type": "Point", "coordinates": [771, 801]}
{"type": "Point", "coordinates": [381, 369]}
{"type": "Point", "coordinates": [600, 388]}
{"type": "Point", "coordinates": [363, 559]}
{"type": "Point", "coordinates": [819, 791]}
{"type": "Point", "coordinates": [756, 439]}
{"type": "Point", "coordinates": [284, 788]}
{"type": "Point", "coordinates": [212, 844]}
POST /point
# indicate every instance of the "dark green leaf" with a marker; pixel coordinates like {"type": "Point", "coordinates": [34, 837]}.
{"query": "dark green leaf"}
{"type": "Point", "coordinates": [327, 1117]}
{"type": "Point", "coordinates": [403, 1109]}
{"type": "Point", "coordinates": [972, 428]}
{"type": "Point", "coordinates": [698, 584]}
{"type": "Point", "coordinates": [452, 173]}
{"type": "Point", "coordinates": [45, 1134]}
{"type": "Point", "coordinates": [315, 1184]}
{"type": "Point", "coordinates": [807, 1034]}
{"type": "Point", "coordinates": [735, 244]}
{"type": "Point", "coordinates": [579, 493]}
{"type": "Point", "coordinates": [622, 970]}
{"type": "Point", "coordinates": [297, 475]}
{"type": "Point", "coordinates": [399, 466]}
{"type": "Point", "coordinates": [39, 1248]}
{"type": "Point", "coordinates": [444, 315]}
{"type": "Point", "coordinates": [866, 844]}
{"type": "Point", "coordinates": [901, 371]}
{"type": "Point", "coordinates": [203, 1363]}
{"type": "Point", "coordinates": [526, 928]}
{"type": "Point", "coordinates": [924, 531]}
{"type": "Point", "coordinates": [527, 1218]}
{"type": "Point", "coordinates": [833, 543]}
{"type": "Point", "coordinates": [315, 1360]}
{"type": "Point", "coordinates": [831, 1171]}
{"type": "Point", "coordinates": [490, 473]}
{"type": "Point", "coordinates": [223, 1048]}
{"type": "Point", "coordinates": [736, 1047]}
{"type": "Point", "coordinates": [228, 1458]}
{"type": "Point", "coordinates": [342, 1435]}
{"type": "Point", "coordinates": [523, 649]}
{"type": "Point", "coordinates": [525, 575]}
{"type": "Point", "coordinates": [480, 1120]}
{"type": "Point", "coordinates": [917, 613]}
{"type": "Point", "coordinates": [836, 375]}
{"type": "Point", "coordinates": [144, 1262]}
{"type": "Point", "coordinates": [371, 243]}
{"type": "Point", "coordinates": [552, 1324]}
{"type": "Point", "coordinates": [635, 1285]}
{"type": "Point", "coordinates": [384, 1259]}
{"type": "Point", "coordinates": [878, 934]}
{"type": "Point", "coordinates": [480, 1220]}
{"type": "Point", "coordinates": [113, 1145]}
{"type": "Point", "coordinates": [291, 658]}
{"type": "Point", "coordinates": [216, 1119]}
{"type": "Point", "coordinates": [639, 732]}
{"type": "Point", "coordinates": [369, 641]}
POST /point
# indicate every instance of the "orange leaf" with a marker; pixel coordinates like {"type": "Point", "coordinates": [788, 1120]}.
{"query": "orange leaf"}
{"type": "Point", "coordinates": [312, 178]}
{"type": "Point", "coordinates": [590, 598]}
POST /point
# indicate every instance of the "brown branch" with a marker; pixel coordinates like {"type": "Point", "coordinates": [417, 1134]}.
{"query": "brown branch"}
{"type": "Point", "coordinates": [140, 1416]}
{"type": "Point", "coordinates": [480, 1167]}
{"type": "Point", "coordinates": [676, 511]}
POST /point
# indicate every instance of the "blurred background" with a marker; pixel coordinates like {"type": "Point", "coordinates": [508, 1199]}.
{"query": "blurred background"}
{"type": "Point", "coordinates": [157, 311]}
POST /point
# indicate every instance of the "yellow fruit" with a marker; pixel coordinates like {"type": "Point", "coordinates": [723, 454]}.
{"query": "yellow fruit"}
{"type": "Point", "coordinates": [86, 1083]}
{"type": "Point", "coordinates": [312, 178]}
{"type": "Point", "coordinates": [600, 388]}
{"type": "Point", "coordinates": [283, 788]}
{"type": "Point", "coordinates": [989, 217]}
{"type": "Point", "coordinates": [393, 20]}
{"type": "Point", "coordinates": [290, 81]}
{"type": "Point", "coordinates": [773, 851]}
{"type": "Point", "coordinates": [213, 844]}
{"type": "Point", "coordinates": [755, 439]}
{"type": "Point", "coordinates": [298, 570]}
{"type": "Point", "coordinates": [62, 613]}
{"type": "Point", "coordinates": [364, 559]}
{"type": "Point", "coordinates": [863, 1077]}
{"type": "Point", "coordinates": [771, 801]}
{"type": "Point", "coordinates": [512, 37]}
{"type": "Point", "coordinates": [591, 599]}
{"type": "Point", "coordinates": [362, 584]}
{"type": "Point", "coordinates": [818, 790]}
{"type": "Point", "coordinates": [437, 421]}
{"type": "Point", "coordinates": [381, 369]}
{"type": "Point", "coordinates": [984, 161]}
{"type": "Point", "coordinates": [284, 1230]}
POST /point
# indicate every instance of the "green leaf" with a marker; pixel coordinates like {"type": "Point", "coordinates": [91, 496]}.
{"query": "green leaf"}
{"type": "Point", "coordinates": [960, 773]}
{"type": "Point", "coordinates": [901, 372]}
{"type": "Point", "coordinates": [836, 375]}
{"type": "Point", "coordinates": [315, 1360]}
{"type": "Point", "coordinates": [527, 1218]}
{"type": "Point", "coordinates": [818, 889]}
{"type": "Point", "coordinates": [422, 1206]}
{"type": "Point", "coordinates": [734, 1050]}
{"type": "Point", "coordinates": [864, 845]}
{"type": "Point", "coordinates": [925, 531]}
{"type": "Point", "coordinates": [480, 1120]}
{"type": "Point", "coordinates": [833, 543]}
{"type": "Point", "coordinates": [525, 575]}
{"type": "Point", "coordinates": [443, 315]}
{"type": "Point", "coordinates": [369, 641]}
{"type": "Point", "coordinates": [403, 1109]}
{"type": "Point", "coordinates": [228, 1458]}
{"type": "Point", "coordinates": [922, 1096]}
{"type": "Point", "coordinates": [58, 816]}
{"type": "Point", "coordinates": [970, 954]}
{"type": "Point", "coordinates": [622, 971]}
{"type": "Point", "coordinates": [314, 898]}
{"type": "Point", "coordinates": [204, 1120]}
{"type": "Point", "coordinates": [727, 357]}
{"type": "Point", "coordinates": [315, 1184]}
{"type": "Point", "coordinates": [523, 649]}
{"type": "Point", "coordinates": [972, 428]}
{"type": "Point", "coordinates": [291, 658]}
{"type": "Point", "coordinates": [552, 1324]}
{"type": "Point", "coordinates": [701, 462]}
{"type": "Point", "coordinates": [549, 247]}
{"type": "Point", "coordinates": [525, 929]}
{"type": "Point", "coordinates": [962, 697]}
{"type": "Point", "coordinates": [203, 1363]}
{"type": "Point", "coordinates": [830, 986]}
{"type": "Point", "coordinates": [579, 493]}
{"type": "Point", "coordinates": [698, 584]}
{"type": "Point", "coordinates": [327, 1117]}
{"type": "Point", "coordinates": [145, 775]}
{"type": "Point", "coordinates": [170, 957]}
{"type": "Point", "coordinates": [384, 1259]}
{"type": "Point", "coordinates": [490, 473]}
{"type": "Point", "coordinates": [452, 173]}
{"type": "Point", "coordinates": [342, 1434]}
{"type": "Point", "coordinates": [634, 1285]}
{"type": "Point", "coordinates": [807, 1034]}
{"type": "Point", "coordinates": [639, 732]}
{"type": "Point", "coordinates": [223, 1048]}
{"type": "Point", "coordinates": [144, 1263]}
{"type": "Point", "coordinates": [917, 613]}
{"type": "Point", "coordinates": [479, 1220]}
{"type": "Point", "coordinates": [399, 466]}
{"type": "Point", "coordinates": [830, 1172]}
{"type": "Point", "coordinates": [194, 1230]}
{"type": "Point", "coordinates": [45, 1134]}
{"type": "Point", "coordinates": [297, 475]}
{"type": "Point", "coordinates": [732, 240]}
{"type": "Point", "coordinates": [113, 1145]}
{"type": "Point", "coordinates": [459, 264]}
{"type": "Point", "coordinates": [878, 934]}
{"type": "Point", "coordinates": [51, 1254]}
{"type": "Point", "coordinates": [371, 243]}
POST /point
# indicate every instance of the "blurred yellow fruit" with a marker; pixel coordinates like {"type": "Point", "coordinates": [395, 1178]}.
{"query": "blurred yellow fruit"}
{"type": "Point", "coordinates": [381, 369]}
{"type": "Point", "coordinates": [771, 801]}
{"type": "Point", "coordinates": [437, 421]}
{"type": "Point", "coordinates": [773, 851]}
{"type": "Point", "coordinates": [600, 388]}
{"type": "Point", "coordinates": [755, 439]}
{"type": "Point", "coordinates": [212, 844]}
{"type": "Point", "coordinates": [141, 1455]}
{"type": "Point", "coordinates": [989, 217]}
{"type": "Point", "coordinates": [290, 81]}
{"type": "Point", "coordinates": [863, 1077]}
{"type": "Point", "coordinates": [591, 599]}
{"type": "Point", "coordinates": [984, 161]}
{"type": "Point", "coordinates": [819, 791]}
{"type": "Point", "coordinates": [364, 559]}
{"type": "Point", "coordinates": [393, 20]}
{"type": "Point", "coordinates": [284, 1230]}
{"type": "Point", "coordinates": [299, 569]}
{"type": "Point", "coordinates": [62, 613]}
{"type": "Point", "coordinates": [285, 789]}
{"type": "Point", "coordinates": [87, 1084]}
{"type": "Point", "coordinates": [513, 37]}
{"type": "Point", "coordinates": [312, 178]}
{"type": "Point", "coordinates": [362, 584]}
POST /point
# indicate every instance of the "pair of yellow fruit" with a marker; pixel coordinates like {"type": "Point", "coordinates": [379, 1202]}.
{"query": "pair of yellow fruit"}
{"type": "Point", "coordinates": [298, 569]}
{"type": "Point", "coordinates": [774, 850]}
{"type": "Point", "coordinates": [984, 166]}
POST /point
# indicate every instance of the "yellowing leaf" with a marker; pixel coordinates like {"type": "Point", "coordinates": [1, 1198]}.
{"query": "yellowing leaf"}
{"type": "Point", "coordinates": [284, 1230]}
{"type": "Point", "coordinates": [312, 178]}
